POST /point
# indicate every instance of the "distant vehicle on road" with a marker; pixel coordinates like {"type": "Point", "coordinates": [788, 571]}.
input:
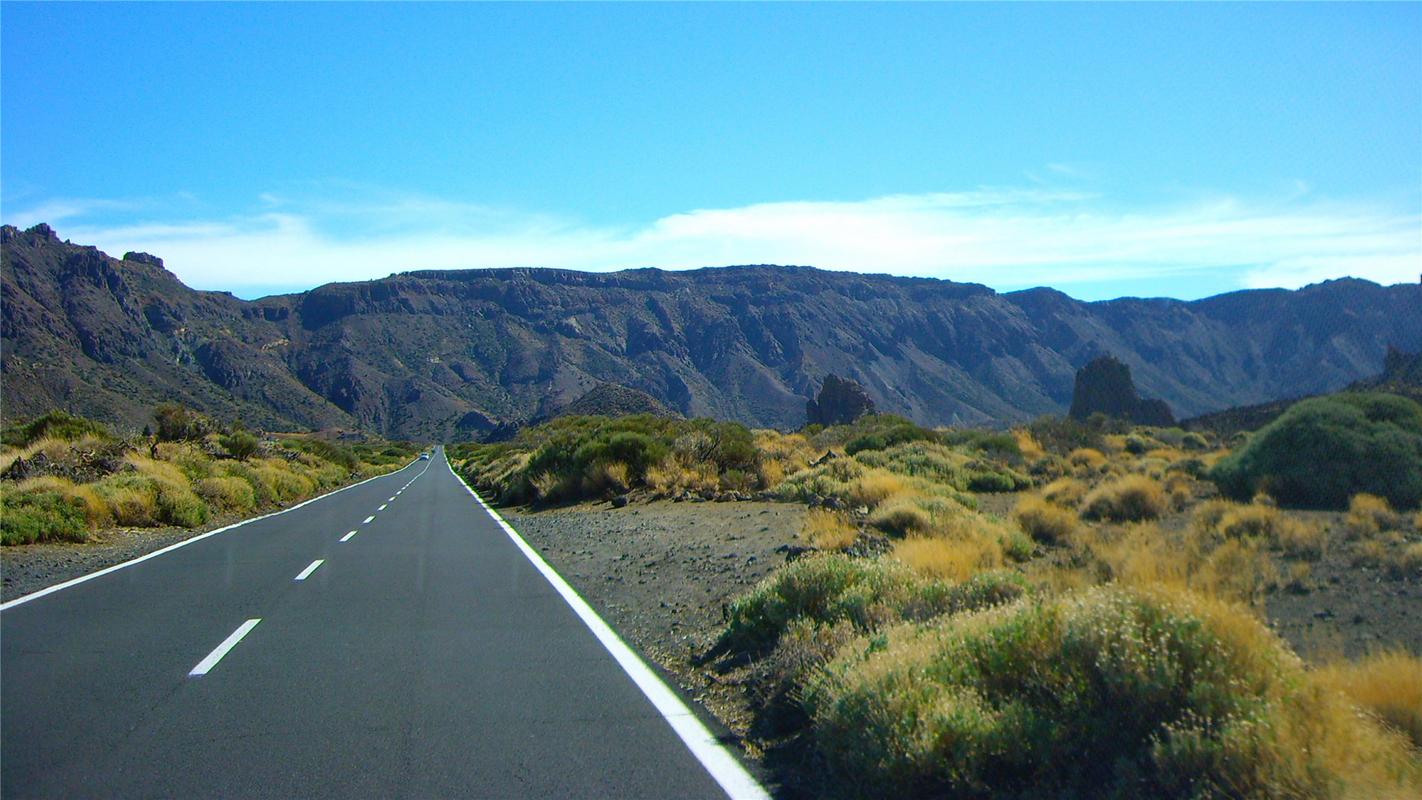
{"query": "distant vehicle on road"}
{"type": "Point", "coordinates": [424, 456]}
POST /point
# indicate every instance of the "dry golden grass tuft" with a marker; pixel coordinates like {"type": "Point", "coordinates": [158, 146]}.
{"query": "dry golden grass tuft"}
{"type": "Point", "coordinates": [1045, 521]}
{"type": "Point", "coordinates": [1028, 445]}
{"type": "Point", "coordinates": [1369, 515]}
{"type": "Point", "coordinates": [874, 487]}
{"type": "Point", "coordinates": [1087, 459]}
{"type": "Point", "coordinates": [1130, 498]}
{"type": "Point", "coordinates": [1387, 685]}
{"type": "Point", "coordinates": [828, 530]}
{"type": "Point", "coordinates": [954, 559]}
{"type": "Point", "coordinates": [902, 516]}
{"type": "Point", "coordinates": [1066, 492]}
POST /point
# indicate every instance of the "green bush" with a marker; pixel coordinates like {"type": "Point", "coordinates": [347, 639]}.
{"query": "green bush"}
{"type": "Point", "coordinates": [1107, 693]}
{"type": "Point", "coordinates": [240, 445]}
{"type": "Point", "coordinates": [228, 493]}
{"type": "Point", "coordinates": [54, 425]}
{"type": "Point", "coordinates": [178, 505]}
{"type": "Point", "coordinates": [178, 423]}
{"type": "Point", "coordinates": [1324, 450]}
{"type": "Point", "coordinates": [327, 451]}
{"type": "Point", "coordinates": [889, 431]}
{"type": "Point", "coordinates": [866, 593]}
{"type": "Point", "coordinates": [29, 517]}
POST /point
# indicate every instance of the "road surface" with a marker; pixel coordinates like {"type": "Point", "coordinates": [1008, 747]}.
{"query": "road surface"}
{"type": "Point", "coordinates": [388, 640]}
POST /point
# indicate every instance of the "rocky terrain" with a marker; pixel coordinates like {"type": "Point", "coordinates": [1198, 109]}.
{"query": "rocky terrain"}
{"type": "Point", "coordinates": [450, 354]}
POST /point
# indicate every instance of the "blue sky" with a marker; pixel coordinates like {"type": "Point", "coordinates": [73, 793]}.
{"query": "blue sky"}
{"type": "Point", "coordinates": [1106, 150]}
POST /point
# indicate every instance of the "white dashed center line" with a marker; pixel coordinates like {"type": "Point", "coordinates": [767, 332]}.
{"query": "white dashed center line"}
{"type": "Point", "coordinates": [391, 500]}
{"type": "Point", "coordinates": [348, 536]}
{"type": "Point", "coordinates": [310, 568]}
{"type": "Point", "coordinates": [382, 508]}
{"type": "Point", "coordinates": [227, 644]}
{"type": "Point", "coordinates": [369, 520]}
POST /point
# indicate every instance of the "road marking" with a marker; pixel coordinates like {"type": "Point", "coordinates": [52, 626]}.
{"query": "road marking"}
{"type": "Point", "coordinates": [310, 568]}
{"type": "Point", "coordinates": [221, 650]}
{"type": "Point", "coordinates": [733, 778]}
{"type": "Point", "coordinates": [382, 508]}
{"type": "Point", "coordinates": [391, 500]}
{"type": "Point", "coordinates": [369, 520]}
{"type": "Point", "coordinates": [348, 536]}
{"type": "Point", "coordinates": [6, 606]}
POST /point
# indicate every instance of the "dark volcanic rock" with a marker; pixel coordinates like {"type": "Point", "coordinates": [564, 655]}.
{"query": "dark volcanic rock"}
{"type": "Point", "coordinates": [440, 354]}
{"type": "Point", "coordinates": [1104, 386]}
{"type": "Point", "coordinates": [840, 402]}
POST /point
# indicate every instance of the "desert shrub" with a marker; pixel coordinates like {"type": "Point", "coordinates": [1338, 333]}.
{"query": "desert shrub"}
{"type": "Point", "coordinates": [178, 505]}
{"type": "Point", "coordinates": [1324, 450]}
{"type": "Point", "coordinates": [824, 590]}
{"type": "Point", "coordinates": [278, 482]}
{"type": "Point", "coordinates": [828, 530]}
{"type": "Point", "coordinates": [1061, 435]}
{"type": "Point", "coordinates": [901, 517]}
{"type": "Point", "coordinates": [132, 498]}
{"type": "Point", "coordinates": [895, 432]}
{"type": "Point", "coordinates": [1000, 445]}
{"type": "Point", "coordinates": [326, 451]}
{"type": "Point", "coordinates": [1405, 562]}
{"type": "Point", "coordinates": [1065, 492]}
{"type": "Point", "coordinates": [955, 559]}
{"type": "Point", "coordinates": [1102, 693]}
{"type": "Point", "coordinates": [1044, 521]}
{"type": "Point", "coordinates": [1387, 685]}
{"type": "Point", "coordinates": [1299, 539]}
{"type": "Point", "coordinates": [54, 425]}
{"type": "Point", "coordinates": [227, 493]}
{"type": "Point", "coordinates": [1130, 498]}
{"type": "Point", "coordinates": [1369, 515]}
{"type": "Point", "coordinates": [176, 423]}
{"type": "Point", "coordinates": [42, 516]}
{"type": "Point", "coordinates": [96, 510]}
{"type": "Point", "coordinates": [240, 445]}
{"type": "Point", "coordinates": [1087, 459]}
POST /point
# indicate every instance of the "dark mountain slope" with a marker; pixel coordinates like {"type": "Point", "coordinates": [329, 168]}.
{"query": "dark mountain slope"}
{"type": "Point", "coordinates": [436, 352]}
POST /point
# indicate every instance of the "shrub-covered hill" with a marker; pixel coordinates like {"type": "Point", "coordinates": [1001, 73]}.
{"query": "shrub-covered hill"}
{"type": "Point", "coordinates": [63, 477]}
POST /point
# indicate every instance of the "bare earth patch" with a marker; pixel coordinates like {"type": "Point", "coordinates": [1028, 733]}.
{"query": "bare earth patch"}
{"type": "Point", "coordinates": [31, 567]}
{"type": "Point", "coordinates": [662, 572]}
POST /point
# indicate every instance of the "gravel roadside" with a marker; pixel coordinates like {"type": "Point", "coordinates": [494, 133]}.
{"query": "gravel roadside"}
{"type": "Point", "coordinates": [661, 573]}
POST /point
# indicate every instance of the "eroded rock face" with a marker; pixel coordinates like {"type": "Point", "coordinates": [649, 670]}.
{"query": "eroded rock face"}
{"type": "Point", "coordinates": [841, 401]}
{"type": "Point", "coordinates": [1104, 386]}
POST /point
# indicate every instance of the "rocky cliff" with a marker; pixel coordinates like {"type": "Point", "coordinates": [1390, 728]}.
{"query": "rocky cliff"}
{"type": "Point", "coordinates": [1104, 386]}
{"type": "Point", "coordinates": [453, 353]}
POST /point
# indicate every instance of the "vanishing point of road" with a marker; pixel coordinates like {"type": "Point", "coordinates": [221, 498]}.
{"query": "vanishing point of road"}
{"type": "Point", "coordinates": [394, 639]}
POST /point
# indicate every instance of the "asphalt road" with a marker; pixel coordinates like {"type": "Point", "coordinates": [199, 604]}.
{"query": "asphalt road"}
{"type": "Point", "coordinates": [424, 656]}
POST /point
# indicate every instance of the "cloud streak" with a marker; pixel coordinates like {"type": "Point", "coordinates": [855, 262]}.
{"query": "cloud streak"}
{"type": "Point", "coordinates": [1005, 238]}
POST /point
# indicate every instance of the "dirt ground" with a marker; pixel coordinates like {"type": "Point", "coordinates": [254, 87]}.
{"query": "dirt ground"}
{"type": "Point", "coordinates": [660, 573]}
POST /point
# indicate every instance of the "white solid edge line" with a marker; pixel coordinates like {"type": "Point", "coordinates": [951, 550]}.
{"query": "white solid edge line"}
{"type": "Point", "coordinates": [310, 568]}
{"type": "Point", "coordinates": [184, 543]}
{"type": "Point", "coordinates": [221, 650]}
{"type": "Point", "coordinates": [348, 536]}
{"type": "Point", "coordinates": [735, 781]}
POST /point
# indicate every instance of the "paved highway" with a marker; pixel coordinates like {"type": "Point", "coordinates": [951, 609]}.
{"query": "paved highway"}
{"type": "Point", "coordinates": [393, 639]}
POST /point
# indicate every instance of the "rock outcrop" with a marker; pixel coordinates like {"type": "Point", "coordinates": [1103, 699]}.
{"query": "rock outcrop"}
{"type": "Point", "coordinates": [1104, 386]}
{"type": "Point", "coordinates": [840, 402]}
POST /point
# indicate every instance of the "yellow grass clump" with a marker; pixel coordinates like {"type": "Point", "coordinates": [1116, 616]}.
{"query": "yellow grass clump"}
{"type": "Point", "coordinates": [901, 516]}
{"type": "Point", "coordinates": [1028, 445]}
{"type": "Point", "coordinates": [1368, 515]}
{"type": "Point", "coordinates": [1045, 521]}
{"type": "Point", "coordinates": [952, 559]}
{"type": "Point", "coordinates": [874, 487]}
{"type": "Point", "coordinates": [1388, 685]}
{"type": "Point", "coordinates": [1086, 458]}
{"type": "Point", "coordinates": [1066, 492]}
{"type": "Point", "coordinates": [1130, 498]}
{"type": "Point", "coordinates": [96, 509]}
{"type": "Point", "coordinates": [828, 530]}
{"type": "Point", "coordinates": [228, 494]}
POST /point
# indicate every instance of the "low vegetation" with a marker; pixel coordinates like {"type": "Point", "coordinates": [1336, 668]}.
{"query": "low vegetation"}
{"type": "Point", "coordinates": [1099, 635]}
{"type": "Point", "coordinates": [1325, 450]}
{"type": "Point", "coordinates": [63, 477]}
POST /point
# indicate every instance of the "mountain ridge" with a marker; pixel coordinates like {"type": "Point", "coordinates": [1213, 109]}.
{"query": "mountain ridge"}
{"type": "Point", "coordinates": [451, 353]}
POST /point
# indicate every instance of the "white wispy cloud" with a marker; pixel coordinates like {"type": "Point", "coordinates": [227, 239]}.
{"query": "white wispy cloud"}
{"type": "Point", "coordinates": [1006, 238]}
